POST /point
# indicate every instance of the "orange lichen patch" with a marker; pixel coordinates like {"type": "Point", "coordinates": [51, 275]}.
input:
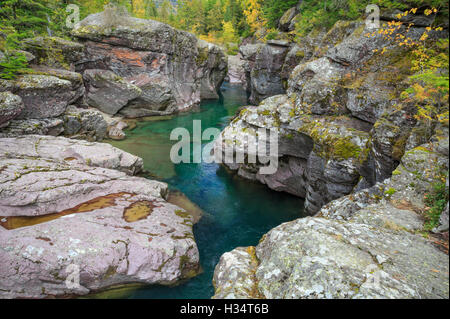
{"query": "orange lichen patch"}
{"type": "Point", "coordinates": [70, 159]}
{"type": "Point", "coordinates": [101, 202]}
{"type": "Point", "coordinates": [138, 210]}
{"type": "Point", "coordinates": [129, 57]}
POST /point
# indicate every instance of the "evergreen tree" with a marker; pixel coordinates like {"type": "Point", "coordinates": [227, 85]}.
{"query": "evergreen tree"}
{"type": "Point", "coordinates": [27, 17]}
{"type": "Point", "coordinates": [274, 10]}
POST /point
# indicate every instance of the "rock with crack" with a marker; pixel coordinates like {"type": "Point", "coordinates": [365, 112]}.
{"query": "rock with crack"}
{"type": "Point", "coordinates": [212, 63]}
{"type": "Point", "coordinates": [236, 71]}
{"type": "Point", "coordinates": [64, 217]}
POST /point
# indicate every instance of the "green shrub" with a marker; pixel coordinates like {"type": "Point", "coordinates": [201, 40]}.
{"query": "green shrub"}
{"type": "Point", "coordinates": [272, 35]}
{"type": "Point", "coordinates": [436, 200]}
{"type": "Point", "coordinates": [12, 65]}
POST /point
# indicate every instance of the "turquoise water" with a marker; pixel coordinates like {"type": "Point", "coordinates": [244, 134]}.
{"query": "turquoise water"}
{"type": "Point", "coordinates": [237, 212]}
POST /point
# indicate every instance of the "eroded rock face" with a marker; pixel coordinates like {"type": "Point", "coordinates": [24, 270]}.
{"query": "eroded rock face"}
{"type": "Point", "coordinates": [171, 67]}
{"type": "Point", "coordinates": [264, 69]}
{"type": "Point", "coordinates": [15, 128]}
{"type": "Point", "coordinates": [340, 130]}
{"type": "Point", "coordinates": [320, 158]}
{"type": "Point", "coordinates": [365, 245]}
{"type": "Point", "coordinates": [212, 63]}
{"type": "Point", "coordinates": [107, 226]}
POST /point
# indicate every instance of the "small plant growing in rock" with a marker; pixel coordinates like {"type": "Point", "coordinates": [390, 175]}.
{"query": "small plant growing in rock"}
{"type": "Point", "coordinates": [436, 200]}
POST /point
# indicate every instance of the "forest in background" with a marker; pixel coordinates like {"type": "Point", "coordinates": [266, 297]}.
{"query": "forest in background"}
{"type": "Point", "coordinates": [217, 21]}
{"type": "Point", "coordinates": [228, 22]}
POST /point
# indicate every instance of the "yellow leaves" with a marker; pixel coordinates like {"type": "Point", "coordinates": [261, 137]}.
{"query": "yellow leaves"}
{"type": "Point", "coordinates": [424, 37]}
{"type": "Point", "coordinates": [401, 15]}
{"type": "Point", "coordinates": [427, 12]}
{"type": "Point", "coordinates": [443, 118]}
{"type": "Point", "coordinates": [253, 13]}
{"type": "Point", "coordinates": [413, 10]}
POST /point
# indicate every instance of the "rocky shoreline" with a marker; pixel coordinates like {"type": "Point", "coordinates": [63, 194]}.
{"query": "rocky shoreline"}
{"type": "Point", "coordinates": [70, 206]}
{"type": "Point", "coordinates": [357, 155]}
{"type": "Point", "coordinates": [81, 206]}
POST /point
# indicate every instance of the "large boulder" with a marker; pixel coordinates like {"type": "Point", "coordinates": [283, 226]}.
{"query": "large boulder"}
{"type": "Point", "coordinates": [66, 216]}
{"type": "Point", "coordinates": [107, 91]}
{"type": "Point", "coordinates": [172, 69]}
{"type": "Point", "coordinates": [10, 107]}
{"type": "Point", "coordinates": [87, 124]}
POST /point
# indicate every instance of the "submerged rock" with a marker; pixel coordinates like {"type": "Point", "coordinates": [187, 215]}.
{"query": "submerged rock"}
{"type": "Point", "coordinates": [74, 226]}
